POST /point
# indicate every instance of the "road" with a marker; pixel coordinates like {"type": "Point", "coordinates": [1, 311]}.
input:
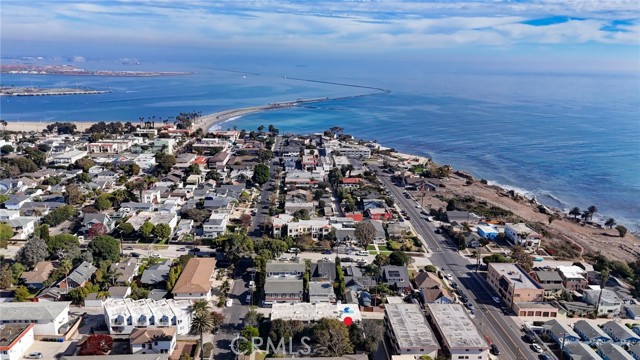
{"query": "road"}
{"type": "Point", "coordinates": [501, 329]}
{"type": "Point", "coordinates": [233, 317]}
{"type": "Point", "coordinates": [262, 207]}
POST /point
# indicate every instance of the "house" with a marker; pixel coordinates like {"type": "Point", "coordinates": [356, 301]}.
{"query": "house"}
{"type": "Point", "coordinates": [125, 271]}
{"type": "Point", "coordinates": [151, 196]}
{"type": "Point", "coordinates": [23, 226]}
{"type": "Point", "coordinates": [281, 290]}
{"type": "Point", "coordinates": [461, 217]}
{"type": "Point", "coordinates": [119, 292]}
{"type": "Point", "coordinates": [523, 235]}
{"type": "Point", "coordinates": [378, 214]}
{"type": "Point", "coordinates": [408, 330]}
{"type": "Point", "coordinates": [219, 203]}
{"type": "Point", "coordinates": [350, 183]}
{"type": "Point", "coordinates": [291, 207]}
{"type": "Point", "coordinates": [110, 146]}
{"type": "Point", "coordinates": [196, 279]}
{"type": "Point", "coordinates": [471, 239]}
{"type": "Point", "coordinates": [610, 304]}
{"type": "Point", "coordinates": [156, 275]}
{"type": "Point", "coordinates": [216, 225]}
{"type": "Point", "coordinates": [560, 332]}
{"type": "Point", "coordinates": [579, 351]}
{"type": "Point", "coordinates": [459, 334]}
{"type": "Point", "coordinates": [431, 289]}
{"type": "Point", "coordinates": [69, 157]}
{"type": "Point", "coordinates": [634, 350]}
{"type": "Point", "coordinates": [130, 207]}
{"type": "Point", "coordinates": [153, 341]}
{"type": "Point", "coordinates": [396, 277]}
{"type": "Point", "coordinates": [36, 278]}
{"type": "Point", "coordinates": [619, 333]}
{"type": "Point", "coordinates": [323, 271]}
{"type": "Point", "coordinates": [551, 282]}
{"type": "Point", "coordinates": [308, 313]}
{"type": "Point", "coordinates": [79, 277]}
{"type": "Point", "coordinates": [513, 284]}
{"type": "Point", "coordinates": [632, 312]}
{"type": "Point", "coordinates": [317, 228]}
{"type": "Point", "coordinates": [15, 202]}
{"type": "Point", "coordinates": [123, 316]}
{"type": "Point", "coordinates": [321, 292]}
{"type": "Point", "coordinates": [610, 351]}
{"type": "Point", "coordinates": [355, 280]}
{"type": "Point", "coordinates": [15, 340]}
{"type": "Point", "coordinates": [398, 229]}
{"type": "Point", "coordinates": [487, 231]}
{"type": "Point", "coordinates": [48, 318]}
{"type": "Point", "coordinates": [89, 220]}
{"type": "Point", "coordinates": [6, 215]}
{"type": "Point", "coordinates": [573, 277]}
{"type": "Point", "coordinates": [285, 270]}
{"type": "Point", "coordinates": [590, 333]}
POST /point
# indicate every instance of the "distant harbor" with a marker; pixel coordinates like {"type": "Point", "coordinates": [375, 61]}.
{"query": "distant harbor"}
{"type": "Point", "coordinates": [29, 69]}
{"type": "Point", "coordinates": [32, 91]}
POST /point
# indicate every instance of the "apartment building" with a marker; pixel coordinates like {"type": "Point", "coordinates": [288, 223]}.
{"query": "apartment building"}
{"type": "Point", "coordinates": [460, 337]}
{"type": "Point", "coordinates": [408, 330]}
{"type": "Point", "coordinates": [123, 316]}
{"type": "Point", "coordinates": [196, 279]}
{"type": "Point", "coordinates": [513, 284]}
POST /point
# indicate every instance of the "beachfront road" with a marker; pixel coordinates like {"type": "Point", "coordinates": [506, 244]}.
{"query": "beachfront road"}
{"type": "Point", "coordinates": [490, 320]}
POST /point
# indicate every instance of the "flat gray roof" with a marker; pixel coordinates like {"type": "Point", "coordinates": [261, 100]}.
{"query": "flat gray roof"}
{"type": "Point", "coordinates": [455, 326]}
{"type": "Point", "coordinates": [410, 326]}
{"type": "Point", "coordinates": [32, 310]}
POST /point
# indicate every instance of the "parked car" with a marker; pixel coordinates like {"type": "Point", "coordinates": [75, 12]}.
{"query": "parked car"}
{"type": "Point", "coordinates": [134, 254]}
{"type": "Point", "coordinates": [155, 255]}
{"type": "Point", "coordinates": [495, 350]}
{"type": "Point", "coordinates": [544, 357]}
{"type": "Point", "coordinates": [327, 252]}
{"type": "Point", "coordinates": [129, 248]}
{"type": "Point", "coordinates": [362, 253]}
{"type": "Point", "coordinates": [293, 250]}
{"type": "Point", "coordinates": [34, 355]}
{"type": "Point", "coordinates": [448, 276]}
{"type": "Point", "coordinates": [229, 303]}
{"type": "Point", "coordinates": [182, 249]}
{"type": "Point", "coordinates": [496, 300]}
{"type": "Point", "coordinates": [536, 348]}
{"type": "Point", "coordinates": [528, 339]}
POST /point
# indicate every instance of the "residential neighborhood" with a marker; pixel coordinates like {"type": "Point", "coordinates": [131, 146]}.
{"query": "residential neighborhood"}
{"type": "Point", "coordinates": [137, 239]}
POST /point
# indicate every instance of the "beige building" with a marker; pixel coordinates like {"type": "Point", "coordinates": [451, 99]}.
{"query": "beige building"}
{"type": "Point", "coordinates": [513, 284]}
{"type": "Point", "coordinates": [195, 281]}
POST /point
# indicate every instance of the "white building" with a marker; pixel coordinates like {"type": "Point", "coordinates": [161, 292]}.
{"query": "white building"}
{"type": "Point", "coordinates": [109, 146]}
{"type": "Point", "coordinates": [216, 225]}
{"type": "Point", "coordinates": [522, 235]}
{"type": "Point", "coordinates": [317, 228]}
{"type": "Point", "coordinates": [47, 317]}
{"type": "Point", "coordinates": [409, 331]}
{"type": "Point", "coordinates": [460, 336]}
{"type": "Point", "coordinates": [153, 341]}
{"type": "Point", "coordinates": [196, 280]}
{"type": "Point", "coordinates": [321, 292]}
{"type": "Point", "coordinates": [69, 157]}
{"type": "Point", "coordinates": [610, 303]}
{"type": "Point", "coordinates": [122, 316]}
{"type": "Point", "coordinates": [307, 313]}
{"type": "Point", "coordinates": [15, 340]}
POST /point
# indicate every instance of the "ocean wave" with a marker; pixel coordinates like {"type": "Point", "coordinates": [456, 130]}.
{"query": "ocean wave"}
{"type": "Point", "coordinates": [542, 196]}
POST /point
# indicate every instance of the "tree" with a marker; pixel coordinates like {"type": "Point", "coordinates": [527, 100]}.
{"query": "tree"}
{"type": "Point", "coordinates": [73, 195]}
{"type": "Point", "coordinates": [245, 345]}
{"type": "Point", "coordinates": [134, 169]}
{"type": "Point", "coordinates": [105, 247]}
{"type": "Point", "coordinates": [126, 229]}
{"type": "Point", "coordinates": [201, 322]}
{"type": "Point", "coordinates": [6, 276]}
{"type": "Point", "coordinates": [213, 175]}
{"type": "Point", "coordinates": [84, 164]}
{"type": "Point", "coordinates": [332, 338]}
{"type": "Point", "coordinates": [98, 344]}
{"type": "Point", "coordinates": [245, 220]}
{"type": "Point", "coordinates": [197, 215]}
{"type": "Point", "coordinates": [164, 162]}
{"type": "Point", "coordinates": [592, 210]}
{"type": "Point", "coordinates": [496, 258]}
{"type": "Point", "coordinates": [193, 169]}
{"type": "Point", "coordinates": [6, 233]}
{"type": "Point", "coordinates": [218, 319]}
{"type": "Point", "coordinates": [399, 258]}
{"type": "Point", "coordinates": [302, 214]}
{"type": "Point", "coordinates": [365, 232]}
{"type": "Point", "coordinates": [381, 260]}
{"type": "Point", "coordinates": [34, 251]}
{"type": "Point", "coordinates": [521, 257]}
{"type": "Point", "coordinates": [261, 174]}
{"type": "Point", "coordinates": [431, 269]}
{"type": "Point", "coordinates": [102, 202]}
{"type": "Point", "coordinates": [575, 212]}
{"type": "Point", "coordinates": [162, 231]}
{"type": "Point", "coordinates": [63, 243]}
{"type": "Point", "coordinates": [7, 149]}
{"type": "Point", "coordinates": [59, 215]}
{"type": "Point", "coordinates": [622, 231]}
{"type": "Point", "coordinates": [21, 294]}
{"type": "Point", "coordinates": [610, 223]}
{"type": "Point", "coordinates": [146, 229]}
{"type": "Point", "coordinates": [252, 318]}
{"type": "Point", "coordinates": [96, 229]}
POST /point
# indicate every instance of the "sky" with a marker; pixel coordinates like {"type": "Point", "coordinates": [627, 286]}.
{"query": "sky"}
{"type": "Point", "coordinates": [592, 34]}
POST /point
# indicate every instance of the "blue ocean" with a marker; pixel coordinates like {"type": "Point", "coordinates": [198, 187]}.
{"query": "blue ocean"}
{"type": "Point", "coordinates": [569, 139]}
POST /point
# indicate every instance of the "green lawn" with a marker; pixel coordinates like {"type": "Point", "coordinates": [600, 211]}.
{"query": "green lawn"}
{"type": "Point", "coordinates": [371, 247]}
{"type": "Point", "coordinates": [383, 248]}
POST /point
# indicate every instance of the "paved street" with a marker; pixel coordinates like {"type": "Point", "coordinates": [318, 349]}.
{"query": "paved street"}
{"type": "Point", "coordinates": [501, 329]}
{"type": "Point", "coordinates": [262, 201]}
{"type": "Point", "coordinates": [233, 317]}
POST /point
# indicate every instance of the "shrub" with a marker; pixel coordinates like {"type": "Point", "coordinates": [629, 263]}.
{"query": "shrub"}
{"type": "Point", "coordinates": [207, 349]}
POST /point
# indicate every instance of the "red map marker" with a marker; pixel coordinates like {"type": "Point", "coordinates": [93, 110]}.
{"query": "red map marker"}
{"type": "Point", "coordinates": [347, 321]}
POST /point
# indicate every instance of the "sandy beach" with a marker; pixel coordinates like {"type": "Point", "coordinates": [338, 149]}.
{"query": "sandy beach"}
{"type": "Point", "coordinates": [28, 126]}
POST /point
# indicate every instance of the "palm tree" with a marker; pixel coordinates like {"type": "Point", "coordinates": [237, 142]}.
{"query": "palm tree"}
{"type": "Point", "coordinates": [201, 322]}
{"type": "Point", "coordinates": [199, 306]}
{"type": "Point", "coordinates": [575, 212]}
{"type": "Point", "coordinates": [604, 276]}
{"type": "Point", "coordinates": [610, 223]}
{"type": "Point", "coordinates": [4, 125]}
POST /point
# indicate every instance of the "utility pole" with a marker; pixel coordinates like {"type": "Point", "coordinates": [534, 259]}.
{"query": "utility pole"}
{"type": "Point", "coordinates": [479, 256]}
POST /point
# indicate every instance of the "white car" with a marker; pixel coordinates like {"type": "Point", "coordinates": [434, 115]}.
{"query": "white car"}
{"type": "Point", "coordinates": [536, 348]}
{"type": "Point", "coordinates": [34, 355]}
{"type": "Point", "coordinates": [229, 303]}
{"type": "Point", "coordinates": [448, 276]}
{"type": "Point", "coordinates": [496, 300]}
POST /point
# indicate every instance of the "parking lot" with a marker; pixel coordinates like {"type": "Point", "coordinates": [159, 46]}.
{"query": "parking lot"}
{"type": "Point", "coordinates": [49, 350]}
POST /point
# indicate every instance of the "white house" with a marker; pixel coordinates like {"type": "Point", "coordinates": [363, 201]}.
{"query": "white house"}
{"type": "Point", "coordinates": [15, 340]}
{"type": "Point", "coordinates": [23, 226]}
{"type": "Point", "coordinates": [69, 157]}
{"type": "Point", "coordinates": [153, 341]}
{"type": "Point", "coordinates": [196, 280]}
{"type": "Point", "coordinates": [47, 317]}
{"type": "Point", "coordinates": [6, 215]}
{"type": "Point", "coordinates": [610, 303]}
{"type": "Point", "coordinates": [123, 316]}
{"type": "Point", "coordinates": [216, 225]}
{"type": "Point", "coordinates": [522, 235]}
